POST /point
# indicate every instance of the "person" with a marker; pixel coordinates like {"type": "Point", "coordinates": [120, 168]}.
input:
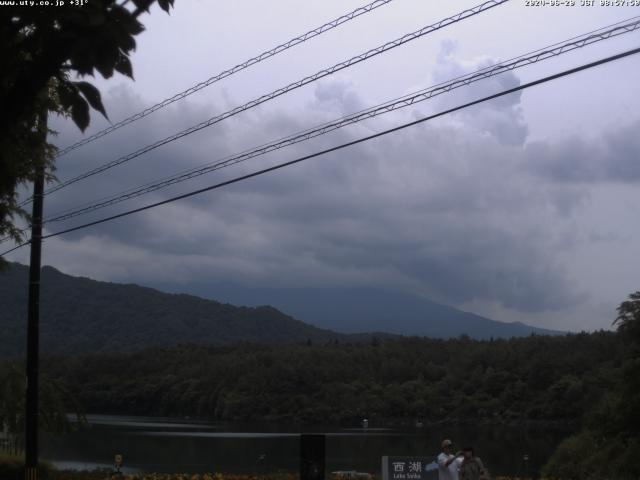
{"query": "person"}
{"type": "Point", "coordinates": [448, 463]}
{"type": "Point", "coordinates": [471, 467]}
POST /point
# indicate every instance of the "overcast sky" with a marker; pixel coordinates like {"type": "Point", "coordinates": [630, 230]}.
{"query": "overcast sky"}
{"type": "Point", "coordinates": [525, 208]}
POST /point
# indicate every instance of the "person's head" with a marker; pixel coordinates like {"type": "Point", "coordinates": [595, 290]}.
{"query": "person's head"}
{"type": "Point", "coordinates": [467, 452]}
{"type": "Point", "coordinates": [447, 446]}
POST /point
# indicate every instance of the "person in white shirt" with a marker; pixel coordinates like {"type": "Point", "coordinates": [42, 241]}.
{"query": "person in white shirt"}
{"type": "Point", "coordinates": [448, 463]}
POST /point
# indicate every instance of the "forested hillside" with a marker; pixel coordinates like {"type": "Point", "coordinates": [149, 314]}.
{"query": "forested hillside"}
{"type": "Point", "coordinates": [550, 379]}
{"type": "Point", "coordinates": [607, 446]}
{"type": "Point", "coordinates": [79, 315]}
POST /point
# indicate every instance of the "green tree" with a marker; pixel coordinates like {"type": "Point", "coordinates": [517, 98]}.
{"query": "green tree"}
{"type": "Point", "coordinates": [628, 319]}
{"type": "Point", "coordinates": [608, 447]}
{"type": "Point", "coordinates": [43, 51]}
{"type": "Point", "coordinates": [55, 402]}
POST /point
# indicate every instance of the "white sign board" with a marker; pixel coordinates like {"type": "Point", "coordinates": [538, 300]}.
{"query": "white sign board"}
{"type": "Point", "coordinates": [408, 468]}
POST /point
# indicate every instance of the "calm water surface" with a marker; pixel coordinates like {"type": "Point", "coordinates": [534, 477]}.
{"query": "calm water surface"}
{"type": "Point", "coordinates": [178, 445]}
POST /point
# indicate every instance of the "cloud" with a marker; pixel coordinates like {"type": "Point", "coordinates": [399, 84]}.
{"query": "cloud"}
{"type": "Point", "coordinates": [463, 209]}
{"type": "Point", "coordinates": [502, 118]}
{"type": "Point", "coordinates": [338, 94]}
{"type": "Point", "coordinates": [611, 157]}
{"type": "Point", "coordinates": [443, 210]}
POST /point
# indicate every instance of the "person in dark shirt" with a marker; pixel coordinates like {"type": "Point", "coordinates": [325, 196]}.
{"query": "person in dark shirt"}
{"type": "Point", "coordinates": [472, 467]}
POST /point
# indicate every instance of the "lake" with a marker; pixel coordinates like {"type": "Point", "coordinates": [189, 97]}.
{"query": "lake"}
{"type": "Point", "coordinates": [171, 445]}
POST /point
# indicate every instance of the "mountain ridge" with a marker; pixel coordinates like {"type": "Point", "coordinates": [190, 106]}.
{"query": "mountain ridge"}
{"type": "Point", "coordinates": [82, 315]}
{"type": "Point", "coordinates": [364, 309]}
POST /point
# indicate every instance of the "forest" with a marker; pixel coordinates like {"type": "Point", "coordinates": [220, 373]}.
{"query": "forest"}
{"type": "Point", "coordinates": [587, 382]}
{"type": "Point", "coordinates": [534, 379]}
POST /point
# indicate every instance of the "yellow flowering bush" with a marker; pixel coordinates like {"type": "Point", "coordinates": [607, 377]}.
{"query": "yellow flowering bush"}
{"type": "Point", "coordinates": [169, 476]}
{"type": "Point", "coordinates": [104, 475]}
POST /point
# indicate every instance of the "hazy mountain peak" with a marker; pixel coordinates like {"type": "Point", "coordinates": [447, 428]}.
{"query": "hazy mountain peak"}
{"type": "Point", "coordinates": [82, 315]}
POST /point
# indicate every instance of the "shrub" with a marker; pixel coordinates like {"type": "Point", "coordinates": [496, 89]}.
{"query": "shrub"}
{"type": "Point", "coordinates": [12, 468]}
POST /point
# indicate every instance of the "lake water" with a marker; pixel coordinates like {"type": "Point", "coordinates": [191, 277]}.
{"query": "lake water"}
{"type": "Point", "coordinates": [178, 445]}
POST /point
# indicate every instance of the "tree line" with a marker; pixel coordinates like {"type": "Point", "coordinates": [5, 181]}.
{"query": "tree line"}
{"type": "Point", "coordinates": [548, 379]}
{"type": "Point", "coordinates": [588, 381]}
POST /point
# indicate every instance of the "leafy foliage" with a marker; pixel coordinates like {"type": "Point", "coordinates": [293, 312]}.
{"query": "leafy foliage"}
{"type": "Point", "coordinates": [608, 447]}
{"type": "Point", "coordinates": [54, 404]}
{"type": "Point", "coordinates": [628, 319]}
{"type": "Point", "coordinates": [41, 49]}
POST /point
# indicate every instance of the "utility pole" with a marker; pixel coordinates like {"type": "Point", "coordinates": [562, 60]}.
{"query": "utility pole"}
{"type": "Point", "coordinates": [33, 315]}
{"type": "Point", "coordinates": [312, 456]}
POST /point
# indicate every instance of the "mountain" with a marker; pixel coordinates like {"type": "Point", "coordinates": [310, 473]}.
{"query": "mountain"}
{"type": "Point", "coordinates": [349, 310]}
{"type": "Point", "coordinates": [81, 315]}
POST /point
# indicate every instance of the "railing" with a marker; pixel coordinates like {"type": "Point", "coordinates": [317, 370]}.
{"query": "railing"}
{"type": "Point", "coordinates": [11, 445]}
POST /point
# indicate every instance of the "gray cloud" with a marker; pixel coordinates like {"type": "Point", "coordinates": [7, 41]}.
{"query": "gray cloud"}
{"type": "Point", "coordinates": [502, 117]}
{"type": "Point", "coordinates": [611, 157]}
{"type": "Point", "coordinates": [463, 210]}
{"type": "Point", "coordinates": [456, 221]}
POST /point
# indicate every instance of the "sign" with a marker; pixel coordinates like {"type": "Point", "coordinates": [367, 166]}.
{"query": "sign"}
{"type": "Point", "coordinates": [409, 468]}
{"type": "Point", "coordinates": [118, 460]}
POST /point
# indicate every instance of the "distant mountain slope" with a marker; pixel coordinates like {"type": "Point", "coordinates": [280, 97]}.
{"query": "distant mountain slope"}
{"type": "Point", "coordinates": [82, 315]}
{"type": "Point", "coordinates": [349, 310]}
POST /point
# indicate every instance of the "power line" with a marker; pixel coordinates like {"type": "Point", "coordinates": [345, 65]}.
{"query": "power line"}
{"type": "Point", "coordinates": [402, 102]}
{"type": "Point", "coordinates": [556, 49]}
{"type": "Point", "coordinates": [19, 231]}
{"type": "Point", "coordinates": [15, 248]}
{"type": "Point", "coordinates": [344, 145]}
{"type": "Point", "coordinates": [227, 73]}
{"type": "Point", "coordinates": [292, 86]}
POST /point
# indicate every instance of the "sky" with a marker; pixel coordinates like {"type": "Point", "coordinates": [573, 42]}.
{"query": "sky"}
{"type": "Point", "coordinates": [521, 209]}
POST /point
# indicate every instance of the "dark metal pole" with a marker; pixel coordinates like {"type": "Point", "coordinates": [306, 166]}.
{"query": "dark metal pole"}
{"type": "Point", "coordinates": [33, 318]}
{"type": "Point", "coordinates": [312, 456]}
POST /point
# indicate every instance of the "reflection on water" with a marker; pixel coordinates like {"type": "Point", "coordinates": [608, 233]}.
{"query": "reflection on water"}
{"type": "Point", "coordinates": [181, 445]}
{"type": "Point", "coordinates": [81, 465]}
{"type": "Point", "coordinates": [219, 434]}
{"type": "Point", "coordinates": [143, 422]}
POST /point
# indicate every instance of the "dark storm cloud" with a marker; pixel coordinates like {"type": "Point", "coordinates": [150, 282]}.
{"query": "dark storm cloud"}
{"type": "Point", "coordinates": [458, 209]}
{"type": "Point", "coordinates": [447, 220]}
{"type": "Point", "coordinates": [611, 157]}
